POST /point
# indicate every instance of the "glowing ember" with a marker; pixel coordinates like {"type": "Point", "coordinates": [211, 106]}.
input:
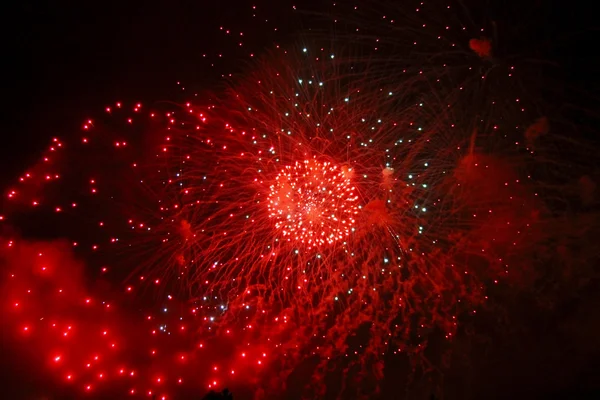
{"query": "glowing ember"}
{"type": "Point", "coordinates": [313, 202]}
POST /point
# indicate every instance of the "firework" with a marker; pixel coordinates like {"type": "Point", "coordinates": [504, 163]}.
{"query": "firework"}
{"type": "Point", "coordinates": [314, 205]}
{"type": "Point", "coordinates": [300, 207]}
{"type": "Point", "coordinates": [322, 208]}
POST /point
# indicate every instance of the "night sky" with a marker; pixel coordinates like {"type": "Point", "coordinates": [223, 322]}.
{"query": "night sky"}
{"type": "Point", "coordinates": [65, 61]}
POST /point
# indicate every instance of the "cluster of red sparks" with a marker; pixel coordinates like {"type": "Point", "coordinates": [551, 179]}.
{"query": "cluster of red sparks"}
{"type": "Point", "coordinates": [95, 341]}
{"type": "Point", "coordinates": [275, 222]}
{"type": "Point", "coordinates": [313, 203]}
{"type": "Point", "coordinates": [311, 230]}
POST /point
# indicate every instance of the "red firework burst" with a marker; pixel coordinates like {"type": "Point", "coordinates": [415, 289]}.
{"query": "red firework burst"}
{"type": "Point", "coordinates": [313, 203]}
{"type": "Point", "coordinates": [313, 210]}
{"type": "Point", "coordinates": [290, 235]}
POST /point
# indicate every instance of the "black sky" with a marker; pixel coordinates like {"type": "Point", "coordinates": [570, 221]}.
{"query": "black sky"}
{"type": "Point", "coordinates": [65, 60]}
{"type": "Point", "coordinates": [62, 61]}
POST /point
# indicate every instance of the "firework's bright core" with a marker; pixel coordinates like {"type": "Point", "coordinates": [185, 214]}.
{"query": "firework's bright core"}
{"type": "Point", "coordinates": [313, 203]}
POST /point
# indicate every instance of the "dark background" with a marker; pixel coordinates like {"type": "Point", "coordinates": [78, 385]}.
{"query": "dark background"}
{"type": "Point", "coordinates": [62, 61]}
